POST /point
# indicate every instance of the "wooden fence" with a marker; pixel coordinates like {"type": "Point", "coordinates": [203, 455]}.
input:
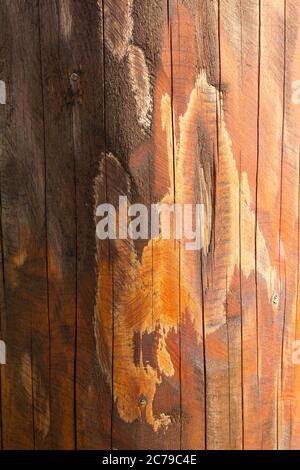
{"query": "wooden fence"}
{"type": "Point", "coordinates": [147, 345]}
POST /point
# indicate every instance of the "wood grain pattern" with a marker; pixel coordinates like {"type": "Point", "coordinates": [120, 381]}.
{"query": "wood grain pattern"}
{"type": "Point", "coordinates": [121, 344]}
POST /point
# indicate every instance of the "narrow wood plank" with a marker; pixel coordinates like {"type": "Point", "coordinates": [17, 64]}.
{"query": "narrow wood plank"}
{"type": "Point", "coordinates": [166, 289]}
{"type": "Point", "coordinates": [2, 281]}
{"type": "Point", "coordinates": [288, 414]}
{"type": "Point", "coordinates": [74, 103]}
{"type": "Point", "coordinates": [93, 398]}
{"type": "Point", "coordinates": [25, 378]}
{"type": "Point", "coordinates": [194, 116]}
{"type": "Point", "coordinates": [239, 43]}
{"type": "Point", "coordinates": [269, 273]}
{"type": "Point", "coordinates": [218, 260]}
{"type": "Point", "coordinates": [57, 66]}
{"type": "Point", "coordinates": [3, 110]}
{"type": "Point", "coordinates": [230, 49]}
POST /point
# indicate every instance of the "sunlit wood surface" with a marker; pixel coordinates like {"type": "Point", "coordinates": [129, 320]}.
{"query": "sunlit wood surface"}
{"type": "Point", "coordinates": [145, 345]}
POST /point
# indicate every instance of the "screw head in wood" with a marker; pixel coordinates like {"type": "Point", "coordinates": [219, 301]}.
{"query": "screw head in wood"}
{"type": "Point", "coordinates": [275, 299]}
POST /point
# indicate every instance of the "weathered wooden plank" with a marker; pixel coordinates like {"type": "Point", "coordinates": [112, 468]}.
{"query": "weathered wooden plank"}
{"type": "Point", "coordinates": [224, 340]}
{"type": "Point", "coordinates": [92, 413]}
{"type": "Point", "coordinates": [25, 378]}
{"type": "Point", "coordinates": [72, 50]}
{"type": "Point", "coordinates": [218, 256]}
{"type": "Point", "coordinates": [2, 284]}
{"type": "Point", "coordinates": [144, 352]}
{"type": "Point", "coordinates": [57, 66]}
{"type": "Point", "coordinates": [239, 40]}
{"type": "Point", "coordinates": [269, 275]}
{"type": "Point", "coordinates": [194, 129]}
{"type": "Point", "coordinates": [88, 137]}
{"type": "Point", "coordinates": [288, 412]}
{"type": "Point", "coordinates": [166, 303]}
{"type": "Point", "coordinates": [2, 278]}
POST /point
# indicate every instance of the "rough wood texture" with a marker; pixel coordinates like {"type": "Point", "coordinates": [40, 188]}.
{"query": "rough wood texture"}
{"type": "Point", "coordinates": [145, 345]}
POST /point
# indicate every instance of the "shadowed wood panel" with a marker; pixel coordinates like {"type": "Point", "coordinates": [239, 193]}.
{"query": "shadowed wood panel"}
{"type": "Point", "coordinates": [72, 50]}
{"type": "Point", "coordinates": [61, 217]}
{"type": "Point", "coordinates": [25, 323]}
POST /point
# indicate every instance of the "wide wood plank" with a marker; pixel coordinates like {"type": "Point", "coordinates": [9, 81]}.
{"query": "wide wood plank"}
{"type": "Point", "coordinates": [142, 345]}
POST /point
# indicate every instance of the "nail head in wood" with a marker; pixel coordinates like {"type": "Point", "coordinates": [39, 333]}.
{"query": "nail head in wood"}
{"type": "Point", "coordinates": [142, 401]}
{"type": "Point", "coordinates": [275, 299]}
{"type": "Point", "coordinates": [74, 77]}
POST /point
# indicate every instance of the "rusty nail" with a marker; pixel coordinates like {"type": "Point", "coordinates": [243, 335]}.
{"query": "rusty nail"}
{"type": "Point", "coordinates": [74, 77]}
{"type": "Point", "coordinates": [275, 299]}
